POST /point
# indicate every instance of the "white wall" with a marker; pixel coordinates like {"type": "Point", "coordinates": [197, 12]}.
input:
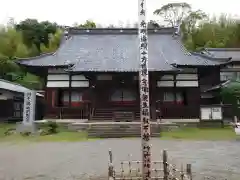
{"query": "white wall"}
{"type": "Point", "coordinates": [187, 84]}
{"type": "Point", "coordinates": [57, 77]}
{"type": "Point", "coordinates": [62, 80]}
{"type": "Point", "coordinates": [165, 84]}
{"type": "Point", "coordinates": [187, 77]}
{"type": "Point", "coordinates": [167, 77]}
{"type": "Point", "coordinates": [182, 80]}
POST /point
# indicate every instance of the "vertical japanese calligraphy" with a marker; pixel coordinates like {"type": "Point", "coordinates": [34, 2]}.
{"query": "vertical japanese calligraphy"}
{"type": "Point", "coordinates": [29, 107]}
{"type": "Point", "coordinates": [144, 90]}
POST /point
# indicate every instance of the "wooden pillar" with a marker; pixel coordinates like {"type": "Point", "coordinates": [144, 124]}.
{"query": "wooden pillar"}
{"type": "Point", "coordinates": [110, 167]}
{"type": "Point", "coordinates": [174, 88]}
{"type": "Point", "coordinates": [165, 165]}
{"type": "Point", "coordinates": [189, 171]}
{"type": "Point", "coordinates": [153, 89]}
{"type": "Point", "coordinates": [199, 93]}
{"type": "Point", "coordinates": [70, 90]}
{"type": "Point", "coordinates": [45, 79]}
{"type": "Point", "coordinates": [53, 97]}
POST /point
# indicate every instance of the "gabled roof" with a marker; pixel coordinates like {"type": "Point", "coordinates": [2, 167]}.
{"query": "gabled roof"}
{"type": "Point", "coordinates": [233, 53]}
{"type": "Point", "coordinates": [10, 86]}
{"type": "Point", "coordinates": [117, 50]}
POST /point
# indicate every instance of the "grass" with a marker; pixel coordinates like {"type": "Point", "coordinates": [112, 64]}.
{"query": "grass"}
{"type": "Point", "coordinates": [226, 133]}
{"type": "Point", "coordinates": [61, 136]}
{"type": "Point", "coordinates": [64, 135]}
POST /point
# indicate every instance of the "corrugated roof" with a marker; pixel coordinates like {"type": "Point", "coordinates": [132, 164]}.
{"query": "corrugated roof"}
{"type": "Point", "coordinates": [7, 85]}
{"type": "Point", "coordinates": [117, 50]}
{"type": "Point", "coordinates": [233, 53]}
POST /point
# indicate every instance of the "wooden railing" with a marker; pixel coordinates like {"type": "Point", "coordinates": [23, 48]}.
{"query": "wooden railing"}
{"type": "Point", "coordinates": [92, 111]}
{"type": "Point", "coordinates": [131, 170]}
{"type": "Point", "coordinates": [82, 112]}
{"type": "Point", "coordinates": [179, 111]}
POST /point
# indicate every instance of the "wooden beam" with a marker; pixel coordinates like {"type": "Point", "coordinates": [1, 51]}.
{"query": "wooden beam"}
{"type": "Point", "coordinates": [70, 89]}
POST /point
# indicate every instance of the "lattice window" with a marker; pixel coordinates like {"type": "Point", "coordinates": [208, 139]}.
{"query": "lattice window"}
{"type": "Point", "coordinates": [168, 97]}
{"type": "Point", "coordinates": [224, 76]}
{"type": "Point", "coordinates": [179, 97]}
{"type": "Point", "coordinates": [76, 96]}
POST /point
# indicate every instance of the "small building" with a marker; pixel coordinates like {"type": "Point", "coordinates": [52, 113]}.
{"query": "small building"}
{"type": "Point", "coordinates": [232, 70]}
{"type": "Point", "coordinates": [11, 102]}
{"type": "Point", "coordinates": [228, 73]}
{"type": "Point", "coordinates": [94, 75]}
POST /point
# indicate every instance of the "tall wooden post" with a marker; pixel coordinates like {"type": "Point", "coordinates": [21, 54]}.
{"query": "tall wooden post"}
{"type": "Point", "coordinates": [144, 91]}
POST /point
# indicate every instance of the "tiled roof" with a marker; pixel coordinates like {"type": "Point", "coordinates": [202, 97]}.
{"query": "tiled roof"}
{"type": "Point", "coordinates": [222, 85]}
{"type": "Point", "coordinates": [117, 50]}
{"type": "Point", "coordinates": [233, 53]}
{"type": "Point", "coordinates": [7, 85]}
{"type": "Point", "coordinates": [203, 59]}
{"type": "Point", "coordinates": [117, 53]}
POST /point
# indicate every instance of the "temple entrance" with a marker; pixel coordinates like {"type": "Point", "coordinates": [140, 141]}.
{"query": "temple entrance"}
{"type": "Point", "coordinates": [116, 99]}
{"type": "Point", "coordinates": [123, 97]}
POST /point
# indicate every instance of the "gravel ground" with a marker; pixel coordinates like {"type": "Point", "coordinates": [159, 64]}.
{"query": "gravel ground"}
{"type": "Point", "coordinates": [88, 160]}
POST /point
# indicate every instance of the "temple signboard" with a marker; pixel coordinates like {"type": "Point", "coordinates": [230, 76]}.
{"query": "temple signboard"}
{"type": "Point", "coordinates": [29, 108]}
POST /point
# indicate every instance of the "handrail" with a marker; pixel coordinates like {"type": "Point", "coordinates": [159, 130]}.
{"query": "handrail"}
{"type": "Point", "coordinates": [92, 112]}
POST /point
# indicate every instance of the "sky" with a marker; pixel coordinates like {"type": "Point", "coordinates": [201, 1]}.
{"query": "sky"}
{"type": "Point", "coordinates": [104, 12]}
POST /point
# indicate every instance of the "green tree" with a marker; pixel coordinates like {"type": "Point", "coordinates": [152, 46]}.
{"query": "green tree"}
{"type": "Point", "coordinates": [214, 33]}
{"type": "Point", "coordinates": [153, 24]}
{"type": "Point", "coordinates": [88, 24]}
{"type": "Point", "coordinates": [231, 95]}
{"type": "Point", "coordinates": [190, 21]}
{"type": "Point", "coordinates": [35, 33]}
{"type": "Point", "coordinates": [54, 42]}
{"type": "Point", "coordinates": [13, 45]}
{"type": "Point", "coordinates": [174, 13]}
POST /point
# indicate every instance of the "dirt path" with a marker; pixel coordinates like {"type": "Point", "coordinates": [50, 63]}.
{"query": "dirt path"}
{"type": "Point", "coordinates": [83, 160]}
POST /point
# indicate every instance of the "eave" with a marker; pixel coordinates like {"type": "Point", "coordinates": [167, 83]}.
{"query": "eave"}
{"type": "Point", "coordinates": [200, 65]}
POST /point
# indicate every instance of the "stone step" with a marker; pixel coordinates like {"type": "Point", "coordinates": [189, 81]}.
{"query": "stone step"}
{"type": "Point", "coordinates": [122, 125]}
{"type": "Point", "coordinates": [118, 135]}
{"type": "Point", "coordinates": [137, 134]}
{"type": "Point", "coordinates": [121, 133]}
{"type": "Point", "coordinates": [103, 112]}
{"type": "Point", "coordinates": [102, 117]}
{"type": "Point", "coordinates": [119, 108]}
{"type": "Point", "coordinates": [120, 128]}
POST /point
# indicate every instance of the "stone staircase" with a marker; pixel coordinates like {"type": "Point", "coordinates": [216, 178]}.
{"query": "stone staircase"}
{"type": "Point", "coordinates": [116, 114]}
{"type": "Point", "coordinates": [122, 129]}
{"type": "Point", "coordinates": [102, 114]}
